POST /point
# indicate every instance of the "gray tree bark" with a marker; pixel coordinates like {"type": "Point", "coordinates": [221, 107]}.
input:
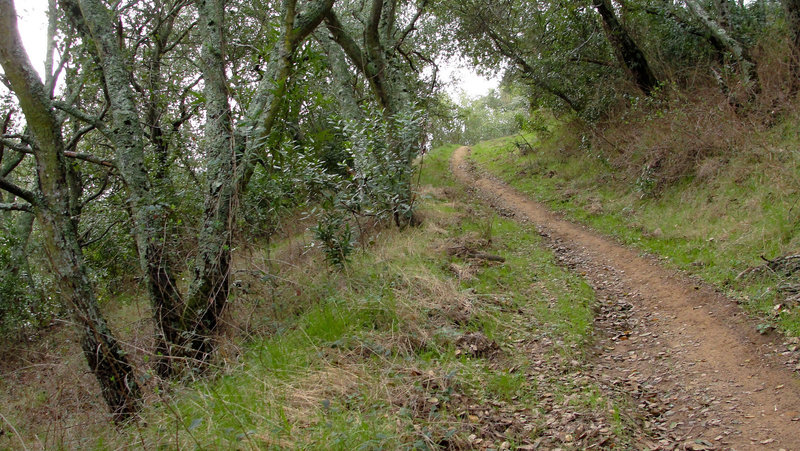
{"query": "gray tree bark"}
{"type": "Point", "coordinates": [376, 58]}
{"type": "Point", "coordinates": [52, 206]}
{"type": "Point", "coordinates": [208, 291]}
{"type": "Point", "coordinates": [150, 214]}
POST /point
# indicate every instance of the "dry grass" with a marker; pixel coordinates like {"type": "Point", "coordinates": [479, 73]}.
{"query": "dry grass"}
{"type": "Point", "coordinates": [52, 401]}
{"type": "Point", "coordinates": [674, 136]}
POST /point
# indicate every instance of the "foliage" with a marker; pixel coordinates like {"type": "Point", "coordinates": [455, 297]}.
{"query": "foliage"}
{"type": "Point", "coordinates": [334, 233]}
{"type": "Point", "coordinates": [292, 178]}
{"type": "Point", "coordinates": [378, 185]}
{"type": "Point", "coordinates": [23, 304]}
{"type": "Point", "coordinates": [499, 113]}
{"type": "Point", "coordinates": [369, 358]}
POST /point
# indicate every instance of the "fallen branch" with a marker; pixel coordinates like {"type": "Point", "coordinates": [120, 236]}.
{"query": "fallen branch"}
{"type": "Point", "coordinates": [785, 265]}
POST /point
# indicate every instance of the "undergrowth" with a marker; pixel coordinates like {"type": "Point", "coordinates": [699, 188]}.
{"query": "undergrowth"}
{"type": "Point", "coordinates": [412, 344]}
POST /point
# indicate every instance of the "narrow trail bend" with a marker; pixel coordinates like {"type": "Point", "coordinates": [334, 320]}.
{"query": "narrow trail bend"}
{"type": "Point", "coordinates": [685, 353]}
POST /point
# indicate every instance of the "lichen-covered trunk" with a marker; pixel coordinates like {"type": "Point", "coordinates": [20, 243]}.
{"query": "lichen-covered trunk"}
{"type": "Point", "coordinates": [265, 106]}
{"type": "Point", "coordinates": [230, 166]}
{"type": "Point", "coordinates": [103, 353]}
{"type": "Point", "coordinates": [150, 213]}
{"type": "Point", "coordinates": [208, 290]}
{"type": "Point", "coordinates": [376, 58]}
{"type": "Point", "coordinates": [20, 267]}
{"type": "Point", "coordinates": [342, 79]}
{"type": "Point", "coordinates": [105, 357]}
{"type": "Point", "coordinates": [720, 38]}
{"type": "Point", "coordinates": [628, 52]}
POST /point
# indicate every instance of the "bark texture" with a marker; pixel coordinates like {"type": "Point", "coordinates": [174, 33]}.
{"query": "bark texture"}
{"type": "Point", "coordinates": [628, 52]}
{"type": "Point", "coordinates": [719, 37]}
{"type": "Point", "coordinates": [150, 215]}
{"type": "Point", "coordinates": [53, 210]}
{"type": "Point", "coordinates": [377, 58]}
{"type": "Point", "coordinates": [208, 291]}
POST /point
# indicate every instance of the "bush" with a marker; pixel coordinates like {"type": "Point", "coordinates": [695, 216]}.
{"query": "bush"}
{"type": "Point", "coordinates": [336, 236]}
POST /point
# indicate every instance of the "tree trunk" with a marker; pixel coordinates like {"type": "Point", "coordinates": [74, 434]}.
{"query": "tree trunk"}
{"type": "Point", "coordinates": [266, 103]}
{"type": "Point", "coordinates": [792, 9]}
{"type": "Point", "coordinates": [720, 38]}
{"type": "Point", "coordinates": [375, 58]}
{"type": "Point", "coordinates": [628, 52]}
{"type": "Point", "coordinates": [209, 288]}
{"type": "Point", "coordinates": [150, 213]}
{"type": "Point", "coordinates": [105, 357]}
{"type": "Point", "coordinates": [342, 79]}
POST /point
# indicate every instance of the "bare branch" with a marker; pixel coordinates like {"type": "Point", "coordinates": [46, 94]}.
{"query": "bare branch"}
{"type": "Point", "coordinates": [78, 114]}
{"type": "Point", "coordinates": [583, 59]}
{"type": "Point", "coordinates": [411, 25]}
{"type": "Point", "coordinates": [11, 144]}
{"type": "Point", "coordinates": [78, 135]}
{"type": "Point", "coordinates": [90, 158]}
{"type": "Point", "coordinates": [180, 38]}
{"type": "Point", "coordinates": [16, 206]}
{"type": "Point", "coordinates": [101, 236]}
{"type": "Point", "coordinates": [99, 191]}
{"type": "Point", "coordinates": [12, 188]}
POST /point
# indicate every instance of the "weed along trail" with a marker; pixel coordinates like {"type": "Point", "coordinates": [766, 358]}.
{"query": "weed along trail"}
{"type": "Point", "coordinates": [690, 361]}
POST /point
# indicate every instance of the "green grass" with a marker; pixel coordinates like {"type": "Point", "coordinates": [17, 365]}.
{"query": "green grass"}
{"type": "Point", "coordinates": [368, 357]}
{"type": "Point", "coordinates": [714, 228]}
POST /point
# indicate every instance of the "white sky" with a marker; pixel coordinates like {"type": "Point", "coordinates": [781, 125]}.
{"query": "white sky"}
{"type": "Point", "coordinates": [458, 76]}
{"type": "Point", "coordinates": [460, 79]}
{"type": "Point", "coordinates": [33, 28]}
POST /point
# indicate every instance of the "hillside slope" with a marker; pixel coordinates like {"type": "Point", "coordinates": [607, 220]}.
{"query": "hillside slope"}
{"type": "Point", "coordinates": [720, 221]}
{"type": "Point", "coordinates": [461, 333]}
{"type": "Point", "coordinates": [678, 342]}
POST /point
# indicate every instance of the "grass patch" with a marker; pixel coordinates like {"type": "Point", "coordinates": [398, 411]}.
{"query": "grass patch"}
{"type": "Point", "coordinates": [410, 346]}
{"type": "Point", "coordinates": [413, 344]}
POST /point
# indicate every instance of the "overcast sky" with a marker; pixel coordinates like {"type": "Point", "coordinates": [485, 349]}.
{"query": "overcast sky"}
{"type": "Point", "coordinates": [33, 27]}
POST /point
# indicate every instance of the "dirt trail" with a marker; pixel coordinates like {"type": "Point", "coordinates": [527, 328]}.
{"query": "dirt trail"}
{"type": "Point", "coordinates": [698, 371]}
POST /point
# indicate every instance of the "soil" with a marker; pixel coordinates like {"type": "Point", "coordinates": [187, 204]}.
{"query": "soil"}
{"type": "Point", "coordinates": [692, 361]}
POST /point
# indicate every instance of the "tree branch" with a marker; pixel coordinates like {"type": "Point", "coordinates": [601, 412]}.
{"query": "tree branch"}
{"type": "Point", "coordinates": [411, 25]}
{"type": "Point", "coordinates": [98, 238]}
{"type": "Point", "coordinates": [5, 142]}
{"type": "Point", "coordinates": [309, 19]}
{"type": "Point", "coordinates": [30, 196]}
{"type": "Point", "coordinates": [347, 43]}
{"type": "Point", "coordinates": [9, 165]}
{"type": "Point", "coordinates": [90, 158]}
{"type": "Point", "coordinates": [80, 156]}
{"type": "Point", "coordinates": [78, 114]}
{"type": "Point", "coordinates": [3, 130]}
{"type": "Point", "coordinates": [16, 206]}
{"type": "Point", "coordinates": [73, 142]}
{"type": "Point", "coordinates": [99, 191]}
{"type": "Point", "coordinates": [581, 59]}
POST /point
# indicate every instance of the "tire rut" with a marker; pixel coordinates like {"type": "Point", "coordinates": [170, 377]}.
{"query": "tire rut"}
{"type": "Point", "coordinates": [685, 353]}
